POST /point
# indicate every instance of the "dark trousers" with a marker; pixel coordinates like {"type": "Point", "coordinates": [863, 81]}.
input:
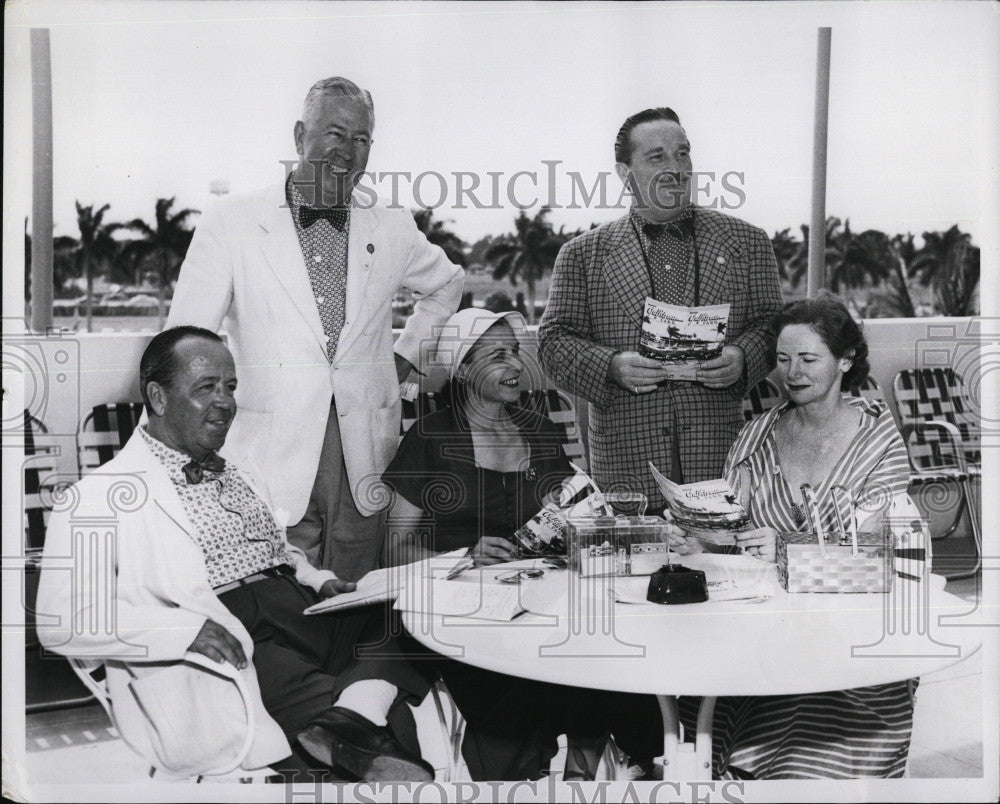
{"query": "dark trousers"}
{"type": "Point", "coordinates": [304, 662]}
{"type": "Point", "coordinates": [512, 723]}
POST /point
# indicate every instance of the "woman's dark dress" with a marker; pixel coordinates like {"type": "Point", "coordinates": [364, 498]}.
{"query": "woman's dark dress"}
{"type": "Point", "coordinates": [511, 722]}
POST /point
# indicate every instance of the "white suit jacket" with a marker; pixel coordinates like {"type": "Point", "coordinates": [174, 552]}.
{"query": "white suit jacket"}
{"type": "Point", "coordinates": [123, 582]}
{"type": "Point", "coordinates": [245, 273]}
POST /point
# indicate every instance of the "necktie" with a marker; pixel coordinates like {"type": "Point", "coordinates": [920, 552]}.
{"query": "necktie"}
{"type": "Point", "coordinates": [194, 471]}
{"type": "Point", "coordinates": [336, 215]}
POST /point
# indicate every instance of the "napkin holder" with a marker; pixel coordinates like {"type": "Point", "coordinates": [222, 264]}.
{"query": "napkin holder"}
{"type": "Point", "coordinates": [617, 545]}
{"type": "Point", "coordinates": [804, 566]}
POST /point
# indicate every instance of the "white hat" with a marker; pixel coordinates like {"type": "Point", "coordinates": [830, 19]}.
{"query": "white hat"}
{"type": "Point", "coordinates": [461, 332]}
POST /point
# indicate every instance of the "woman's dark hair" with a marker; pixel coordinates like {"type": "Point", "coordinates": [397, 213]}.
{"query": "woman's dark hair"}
{"type": "Point", "coordinates": [828, 317]}
{"type": "Point", "coordinates": [159, 362]}
{"type": "Point", "coordinates": [623, 140]}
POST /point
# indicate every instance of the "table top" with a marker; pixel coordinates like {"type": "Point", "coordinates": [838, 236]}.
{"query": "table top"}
{"type": "Point", "coordinates": [574, 633]}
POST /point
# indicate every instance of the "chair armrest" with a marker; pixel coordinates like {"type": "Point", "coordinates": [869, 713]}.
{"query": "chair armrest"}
{"type": "Point", "coordinates": [953, 438]}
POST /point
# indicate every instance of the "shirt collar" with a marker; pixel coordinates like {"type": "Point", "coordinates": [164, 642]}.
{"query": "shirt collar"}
{"type": "Point", "coordinates": [294, 197]}
{"type": "Point", "coordinates": [680, 226]}
{"type": "Point", "coordinates": [168, 456]}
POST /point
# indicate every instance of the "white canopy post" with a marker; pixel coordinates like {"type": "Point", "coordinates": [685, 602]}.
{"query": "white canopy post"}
{"type": "Point", "coordinates": [816, 278]}
{"type": "Point", "coordinates": [41, 190]}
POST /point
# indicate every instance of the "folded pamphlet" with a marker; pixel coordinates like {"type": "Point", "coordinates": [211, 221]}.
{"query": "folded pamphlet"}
{"type": "Point", "coordinates": [707, 510]}
{"type": "Point", "coordinates": [385, 584]}
{"type": "Point", "coordinates": [547, 532]}
{"type": "Point", "coordinates": [682, 337]}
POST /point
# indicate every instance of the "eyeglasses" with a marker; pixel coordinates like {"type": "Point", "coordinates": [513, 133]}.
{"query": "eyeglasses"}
{"type": "Point", "coordinates": [515, 577]}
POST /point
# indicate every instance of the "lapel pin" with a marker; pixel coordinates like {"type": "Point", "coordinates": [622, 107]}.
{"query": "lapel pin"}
{"type": "Point", "coordinates": [371, 249]}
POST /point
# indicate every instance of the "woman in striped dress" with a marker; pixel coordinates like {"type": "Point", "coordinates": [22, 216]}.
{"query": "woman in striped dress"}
{"type": "Point", "coordinates": [825, 439]}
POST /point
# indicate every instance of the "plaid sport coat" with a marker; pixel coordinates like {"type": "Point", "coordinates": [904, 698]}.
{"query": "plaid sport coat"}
{"type": "Point", "coordinates": [595, 308]}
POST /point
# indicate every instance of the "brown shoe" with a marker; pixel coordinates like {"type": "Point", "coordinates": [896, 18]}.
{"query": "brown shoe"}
{"type": "Point", "coordinates": [345, 739]}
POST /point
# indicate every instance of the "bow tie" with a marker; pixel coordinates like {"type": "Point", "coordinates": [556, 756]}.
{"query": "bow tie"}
{"type": "Point", "coordinates": [194, 471]}
{"type": "Point", "coordinates": [680, 227]}
{"type": "Point", "coordinates": [336, 215]}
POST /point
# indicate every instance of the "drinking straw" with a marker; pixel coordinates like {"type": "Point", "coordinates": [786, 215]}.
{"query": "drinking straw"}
{"type": "Point", "coordinates": [844, 536]}
{"type": "Point", "coordinates": [853, 522]}
{"type": "Point", "coordinates": [812, 509]}
{"type": "Point", "coordinates": [853, 518]}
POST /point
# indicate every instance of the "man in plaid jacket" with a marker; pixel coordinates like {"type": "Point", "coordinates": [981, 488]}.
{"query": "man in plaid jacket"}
{"type": "Point", "coordinates": [668, 249]}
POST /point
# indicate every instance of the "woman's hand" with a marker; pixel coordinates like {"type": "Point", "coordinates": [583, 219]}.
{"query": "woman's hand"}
{"type": "Point", "coordinates": [684, 545]}
{"type": "Point", "coordinates": [758, 543]}
{"type": "Point", "coordinates": [493, 550]}
{"type": "Point", "coordinates": [678, 540]}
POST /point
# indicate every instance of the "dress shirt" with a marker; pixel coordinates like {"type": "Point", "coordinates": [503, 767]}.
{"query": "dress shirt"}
{"type": "Point", "coordinates": [324, 249]}
{"type": "Point", "coordinates": [232, 525]}
{"type": "Point", "coordinates": [668, 250]}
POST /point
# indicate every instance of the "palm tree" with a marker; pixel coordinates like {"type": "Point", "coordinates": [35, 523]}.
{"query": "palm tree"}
{"type": "Point", "coordinates": [950, 263]}
{"type": "Point", "coordinates": [868, 259]}
{"type": "Point", "coordinates": [854, 260]}
{"type": "Point", "coordinates": [789, 253]}
{"type": "Point", "coordinates": [95, 249]}
{"type": "Point", "coordinates": [164, 244]}
{"type": "Point", "coordinates": [437, 233]}
{"type": "Point", "coordinates": [527, 253]}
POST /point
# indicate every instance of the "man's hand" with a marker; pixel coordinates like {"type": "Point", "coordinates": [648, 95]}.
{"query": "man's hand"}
{"type": "Point", "coordinates": [335, 586]}
{"type": "Point", "coordinates": [403, 367]}
{"type": "Point", "coordinates": [725, 370]}
{"type": "Point", "coordinates": [215, 642]}
{"type": "Point", "coordinates": [635, 373]}
{"type": "Point", "coordinates": [493, 550]}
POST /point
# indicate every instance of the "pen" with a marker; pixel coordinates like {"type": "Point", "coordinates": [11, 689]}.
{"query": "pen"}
{"type": "Point", "coordinates": [459, 568]}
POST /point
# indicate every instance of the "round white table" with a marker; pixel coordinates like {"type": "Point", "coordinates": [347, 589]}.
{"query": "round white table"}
{"type": "Point", "coordinates": [574, 633]}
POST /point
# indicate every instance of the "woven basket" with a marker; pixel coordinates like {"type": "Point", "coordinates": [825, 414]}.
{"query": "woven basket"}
{"type": "Point", "coordinates": [803, 568]}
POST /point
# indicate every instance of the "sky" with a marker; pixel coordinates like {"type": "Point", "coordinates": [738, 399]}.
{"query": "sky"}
{"type": "Point", "coordinates": [159, 99]}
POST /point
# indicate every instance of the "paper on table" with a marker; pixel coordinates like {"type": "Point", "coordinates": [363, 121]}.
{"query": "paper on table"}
{"type": "Point", "coordinates": [717, 591]}
{"type": "Point", "coordinates": [483, 601]}
{"type": "Point", "coordinates": [728, 578]}
{"type": "Point", "coordinates": [386, 583]}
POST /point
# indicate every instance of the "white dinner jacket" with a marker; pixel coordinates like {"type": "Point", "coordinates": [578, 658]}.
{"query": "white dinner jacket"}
{"type": "Point", "coordinates": [124, 582]}
{"type": "Point", "coordinates": [245, 273]}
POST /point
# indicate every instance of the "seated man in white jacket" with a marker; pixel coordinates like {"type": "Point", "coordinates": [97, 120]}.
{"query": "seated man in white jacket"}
{"type": "Point", "coordinates": [168, 551]}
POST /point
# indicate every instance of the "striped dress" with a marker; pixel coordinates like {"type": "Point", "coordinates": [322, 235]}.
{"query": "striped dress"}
{"type": "Point", "coordinates": [846, 734]}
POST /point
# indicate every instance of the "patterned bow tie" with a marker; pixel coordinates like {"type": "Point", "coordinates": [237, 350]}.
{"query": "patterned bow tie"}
{"type": "Point", "coordinates": [680, 227]}
{"type": "Point", "coordinates": [336, 215]}
{"type": "Point", "coordinates": [194, 471]}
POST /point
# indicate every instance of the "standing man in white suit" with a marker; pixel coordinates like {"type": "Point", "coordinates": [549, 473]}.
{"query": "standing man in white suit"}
{"type": "Point", "coordinates": [301, 277]}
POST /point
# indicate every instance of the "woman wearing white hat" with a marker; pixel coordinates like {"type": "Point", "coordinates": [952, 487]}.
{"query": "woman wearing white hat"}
{"type": "Point", "coordinates": [469, 475]}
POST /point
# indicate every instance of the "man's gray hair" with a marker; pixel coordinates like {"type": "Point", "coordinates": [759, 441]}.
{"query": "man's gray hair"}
{"type": "Point", "coordinates": [336, 87]}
